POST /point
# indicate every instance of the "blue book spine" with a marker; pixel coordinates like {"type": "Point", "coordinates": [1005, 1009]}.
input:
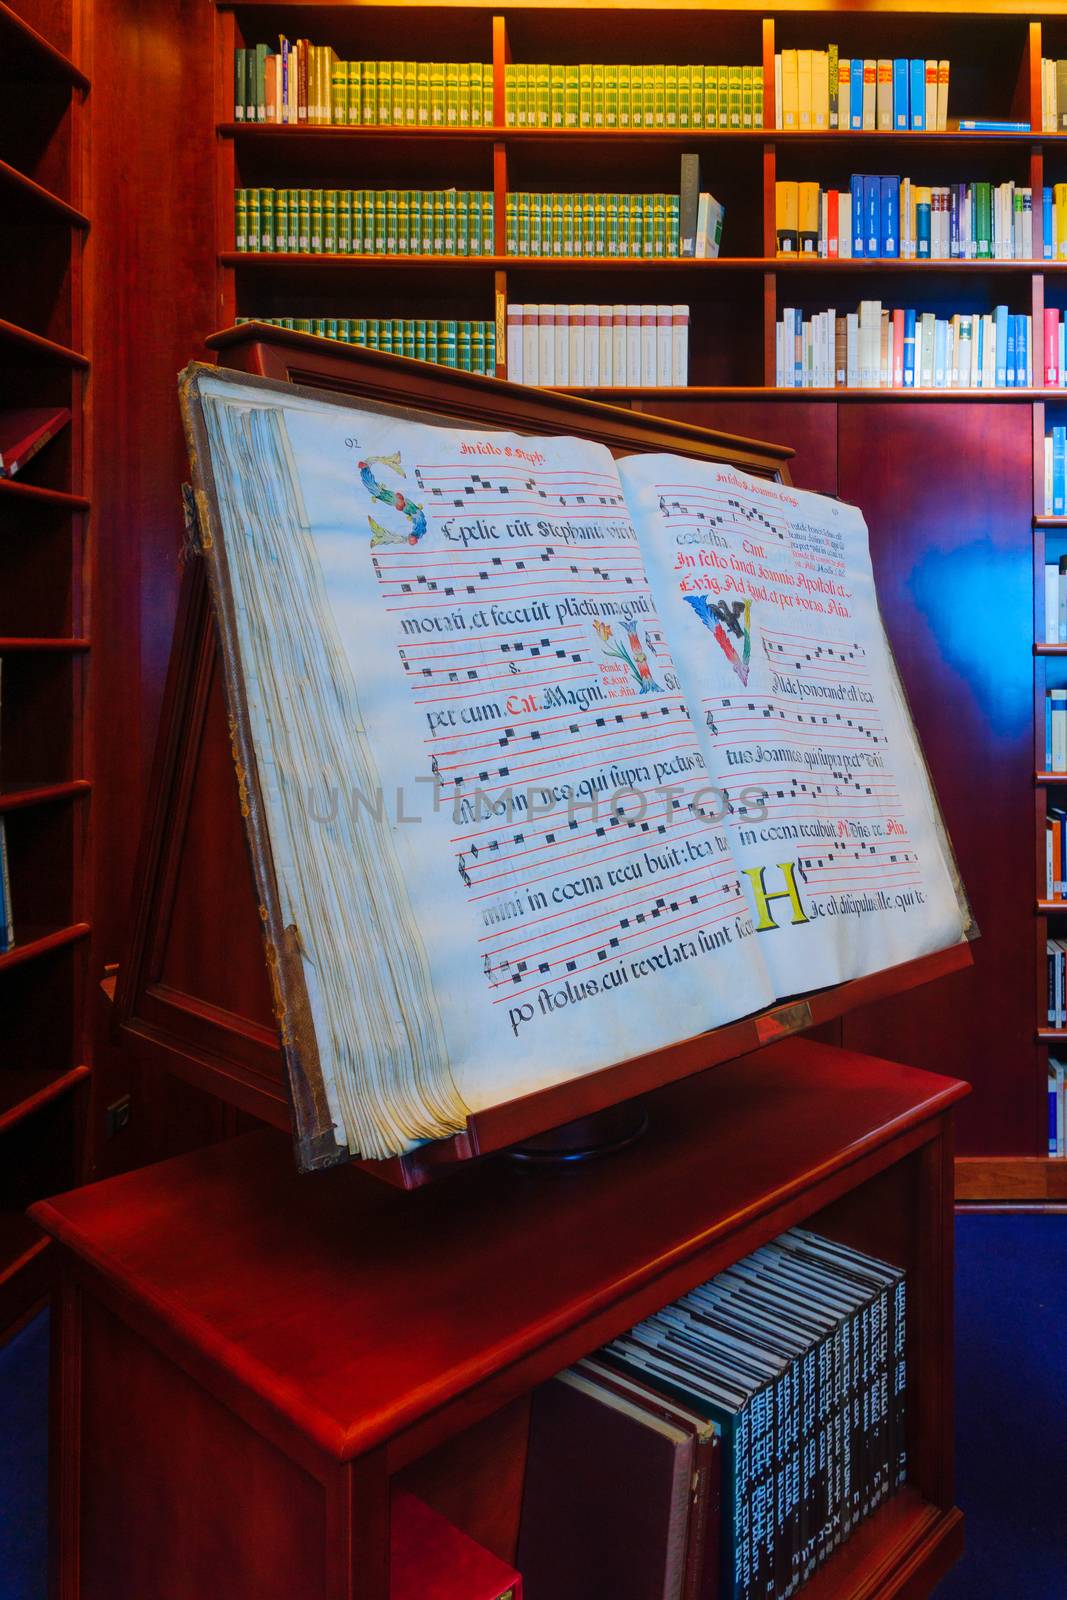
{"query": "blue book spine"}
{"type": "Point", "coordinates": [989, 125]}
{"type": "Point", "coordinates": [798, 349]}
{"type": "Point", "coordinates": [1046, 224]}
{"type": "Point", "coordinates": [1053, 1148]}
{"type": "Point", "coordinates": [855, 184]}
{"type": "Point", "coordinates": [1000, 319]}
{"type": "Point", "coordinates": [890, 236]}
{"type": "Point", "coordinates": [872, 216]}
{"type": "Point", "coordinates": [1022, 352]}
{"type": "Point", "coordinates": [909, 349]}
{"type": "Point", "coordinates": [1059, 472]}
{"type": "Point", "coordinates": [900, 93]}
{"type": "Point", "coordinates": [918, 94]}
{"type": "Point", "coordinates": [1009, 356]}
{"type": "Point", "coordinates": [922, 230]}
{"type": "Point", "coordinates": [855, 94]}
{"type": "Point", "coordinates": [1048, 733]}
{"type": "Point", "coordinates": [941, 354]}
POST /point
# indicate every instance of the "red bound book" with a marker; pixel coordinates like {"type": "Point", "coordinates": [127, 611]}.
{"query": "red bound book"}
{"type": "Point", "coordinates": [24, 431]}
{"type": "Point", "coordinates": [605, 1509]}
{"type": "Point", "coordinates": [1052, 343]}
{"type": "Point", "coordinates": [833, 247]}
{"type": "Point", "coordinates": [430, 1559]}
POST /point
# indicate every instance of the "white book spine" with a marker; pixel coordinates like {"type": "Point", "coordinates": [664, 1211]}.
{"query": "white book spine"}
{"type": "Point", "coordinates": [576, 346]}
{"type": "Point", "coordinates": [703, 205]}
{"type": "Point", "coordinates": [852, 346]}
{"type": "Point", "coordinates": [647, 326]}
{"type": "Point", "coordinates": [618, 347]}
{"type": "Point", "coordinates": [680, 346]}
{"type": "Point", "coordinates": [1048, 494]}
{"type": "Point", "coordinates": [664, 347]}
{"type": "Point", "coordinates": [516, 315]}
{"type": "Point", "coordinates": [633, 344]}
{"type": "Point", "coordinates": [606, 341]}
{"type": "Point", "coordinates": [562, 368]}
{"type": "Point", "coordinates": [546, 345]}
{"type": "Point", "coordinates": [1052, 603]}
{"type": "Point", "coordinates": [531, 345]}
{"type": "Point", "coordinates": [591, 339]}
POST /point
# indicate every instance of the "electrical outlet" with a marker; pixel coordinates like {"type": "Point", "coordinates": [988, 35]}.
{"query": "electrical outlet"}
{"type": "Point", "coordinates": [118, 1115]}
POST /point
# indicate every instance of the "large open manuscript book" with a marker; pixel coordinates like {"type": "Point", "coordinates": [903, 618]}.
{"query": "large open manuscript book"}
{"type": "Point", "coordinates": [547, 759]}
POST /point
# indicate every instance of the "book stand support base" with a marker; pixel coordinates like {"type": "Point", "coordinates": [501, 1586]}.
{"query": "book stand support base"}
{"type": "Point", "coordinates": [585, 1139]}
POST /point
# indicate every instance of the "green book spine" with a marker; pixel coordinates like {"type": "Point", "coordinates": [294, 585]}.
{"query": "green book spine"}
{"type": "Point", "coordinates": [450, 222]}
{"type": "Point", "coordinates": [511, 96]}
{"type": "Point", "coordinates": [463, 346]}
{"type": "Point", "coordinates": [724, 97]}
{"type": "Point", "coordinates": [422, 94]}
{"type": "Point", "coordinates": [478, 117]}
{"type": "Point", "coordinates": [411, 94]}
{"type": "Point", "coordinates": [239, 58]}
{"type": "Point", "coordinates": [569, 237]}
{"type": "Point", "coordinates": [403, 222]}
{"type": "Point", "coordinates": [354, 94]}
{"type": "Point", "coordinates": [240, 219]}
{"type": "Point", "coordinates": [318, 327]}
{"type": "Point", "coordinates": [735, 96]}
{"type": "Point", "coordinates": [463, 93]}
{"type": "Point", "coordinates": [673, 208]}
{"type": "Point", "coordinates": [488, 109]}
{"type": "Point", "coordinates": [570, 97]}
{"type": "Point", "coordinates": [488, 203]}
{"type": "Point", "coordinates": [558, 225]}
{"type": "Point", "coordinates": [329, 222]}
{"type": "Point", "coordinates": [511, 224]}
{"type": "Point", "coordinates": [254, 223]}
{"type": "Point", "coordinates": [599, 101]}
{"type": "Point", "coordinates": [659, 226]}
{"type": "Point", "coordinates": [428, 221]}
{"type": "Point", "coordinates": [670, 96]}
{"type": "Point", "coordinates": [259, 58]}
{"type": "Point", "coordinates": [612, 225]}
{"type": "Point", "coordinates": [452, 94]}
{"type": "Point", "coordinates": [397, 331]}
{"type": "Point", "coordinates": [536, 243]}
{"type": "Point", "coordinates": [339, 92]}
{"type": "Point", "coordinates": [266, 219]}
{"type": "Point", "coordinates": [369, 80]}
{"type": "Point", "coordinates": [585, 95]}
{"type": "Point", "coordinates": [316, 222]}
{"type": "Point", "coordinates": [447, 343]}
{"type": "Point", "coordinates": [333, 329]}
{"type": "Point", "coordinates": [626, 225]}
{"type": "Point", "coordinates": [344, 222]}
{"type": "Point", "coordinates": [437, 94]}
{"type": "Point", "coordinates": [414, 221]}
{"type": "Point", "coordinates": [370, 333]}
{"type": "Point", "coordinates": [433, 338]}
{"type": "Point", "coordinates": [542, 97]}
{"type": "Point", "coordinates": [696, 97]}
{"type": "Point", "coordinates": [385, 94]}
{"type": "Point", "coordinates": [659, 97]}
{"type": "Point", "coordinates": [385, 335]}
{"type": "Point", "coordinates": [757, 97]}
{"type": "Point", "coordinates": [399, 75]}
{"type": "Point", "coordinates": [391, 222]}
{"type": "Point", "coordinates": [357, 221]}
{"type": "Point", "coordinates": [438, 222]}
{"type": "Point", "coordinates": [463, 224]}
{"type": "Point", "coordinates": [407, 338]}
{"type": "Point", "coordinates": [557, 95]}
{"type": "Point", "coordinates": [359, 330]}
{"type": "Point", "coordinates": [611, 96]}
{"type": "Point", "coordinates": [625, 107]}
{"type": "Point", "coordinates": [588, 225]}
{"type": "Point", "coordinates": [474, 224]}
{"type": "Point", "coordinates": [637, 224]}
{"type": "Point", "coordinates": [523, 205]}
{"type": "Point", "coordinates": [303, 221]}
{"type": "Point", "coordinates": [600, 224]}
{"type": "Point", "coordinates": [281, 220]}
{"type": "Point", "coordinates": [746, 97]}
{"type": "Point", "coordinates": [478, 347]}
{"type": "Point", "coordinates": [381, 221]}
{"type": "Point", "coordinates": [685, 96]}
{"type": "Point", "coordinates": [420, 339]}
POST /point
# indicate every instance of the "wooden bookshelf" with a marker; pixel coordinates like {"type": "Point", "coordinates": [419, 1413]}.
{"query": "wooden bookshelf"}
{"type": "Point", "coordinates": [161, 1266]}
{"type": "Point", "coordinates": [44, 612]}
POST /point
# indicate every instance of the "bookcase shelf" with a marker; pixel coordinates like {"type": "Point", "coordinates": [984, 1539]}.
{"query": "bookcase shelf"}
{"type": "Point", "coordinates": [46, 562]}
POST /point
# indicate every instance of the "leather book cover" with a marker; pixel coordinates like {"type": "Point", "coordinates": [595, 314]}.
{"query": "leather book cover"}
{"type": "Point", "coordinates": [606, 1500]}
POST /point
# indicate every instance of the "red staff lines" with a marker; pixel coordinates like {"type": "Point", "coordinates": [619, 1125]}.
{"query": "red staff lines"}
{"type": "Point", "coordinates": [500, 466]}
{"type": "Point", "coordinates": [599, 748]}
{"type": "Point", "coordinates": [564, 824]}
{"type": "Point", "coordinates": [522, 575]}
{"type": "Point", "coordinates": [813, 638]}
{"type": "Point", "coordinates": [588, 845]}
{"type": "Point", "coordinates": [490, 788]}
{"type": "Point", "coordinates": [696, 872]}
{"type": "Point", "coordinates": [693, 921]}
{"type": "Point", "coordinates": [641, 701]}
{"type": "Point", "coordinates": [518, 502]}
{"type": "Point", "coordinates": [604, 921]}
{"type": "Point", "coordinates": [844, 740]}
{"type": "Point", "coordinates": [835, 654]}
{"type": "Point", "coordinates": [652, 738]}
{"type": "Point", "coordinates": [479, 653]}
{"type": "Point", "coordinates": [615, 855]}
{"type": "Point", "coordinates": [653, 726]}
{"type": "Point", "coordinates": [894, 884]}
{"type": "Point", "coordinates": [543, 555]}
{"type": "Point", "coordinates": [529, 679]}
{"type": "Point", "coordinates": [789, 701]}
{"type": "Point", "coordinates": [870, 860]}
{"type": "Point", "coordinates": [819, 670]}
{"type": "Point", "coordinates": [454, 602]}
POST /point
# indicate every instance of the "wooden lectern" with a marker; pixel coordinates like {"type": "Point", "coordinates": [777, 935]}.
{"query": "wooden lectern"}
{"type": "Point", "coordinates": [251, 1360]}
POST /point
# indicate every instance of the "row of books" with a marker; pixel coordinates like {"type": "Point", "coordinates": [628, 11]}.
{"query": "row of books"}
{"type": "Point", "coordinates": [305, 84]}
{"type": "Point", "coordinates": [596, 346]}
{"type": "Point", "coordinates": [892, 218]}
{"type": "Point", "coordinates": [821, 89]}
{"type": "Point", "coordinates": [1056, 730]}
{"type": "Point", "coordinates": [1057, 1107]}
{"type": "Point", "coordinates": [1056, 853]}
{"type": "Point", "coordinates": [1056, 959]}
{"type": "Point", "coordinates": [1055, 477]}
{"type": "Point", "coordinates": [468, 345]}
{"type": "Point", "coordinates": [1055, 630]}
{"type": "Point", "coordinates": [878, 348]}
{"type": "Point", "coordinates": [730, 1443]}
{"type": "Point", "coordinates": [592, 225]}
{"type": "Point", "coordinates": [451, 222]}
{"type": "Point", "coordinates": [1053, 96]}
{"type": "Point", "coordinates": [544, 95]}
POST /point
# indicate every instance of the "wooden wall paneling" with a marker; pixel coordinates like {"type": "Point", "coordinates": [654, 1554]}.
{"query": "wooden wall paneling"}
{"type": "Point", "coordinates": [808, 426]}
{"type": "Point", "coordinates": [153, 300]}
{"type": "Point", "coordinates": [947, 494]}
{"type": "Point", "coordinates": [767, 56]}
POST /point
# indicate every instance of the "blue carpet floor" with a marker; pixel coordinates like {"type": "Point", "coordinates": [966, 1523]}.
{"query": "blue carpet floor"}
{"type": "Point", "coordinates": [1011, 1387]}
{"type": "Point", "coordinates": [1011, 1407]}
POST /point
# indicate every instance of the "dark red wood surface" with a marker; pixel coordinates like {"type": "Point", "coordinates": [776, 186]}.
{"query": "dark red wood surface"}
{"type": "Point", "coordinates": [364, 1316]}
